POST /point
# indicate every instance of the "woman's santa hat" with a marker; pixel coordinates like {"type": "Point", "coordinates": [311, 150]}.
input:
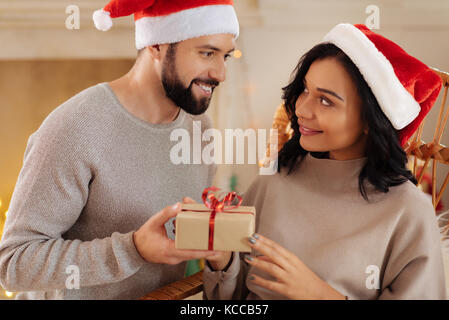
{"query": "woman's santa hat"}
{"type": "Point", "coordinates": [405, 87]}
{"type": "Point", "coordinates": [170, 21]}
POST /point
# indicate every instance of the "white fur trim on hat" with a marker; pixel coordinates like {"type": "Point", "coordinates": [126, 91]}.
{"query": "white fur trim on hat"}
{"type": "Point", "coordinates": [186, 24]}
{"type": "Point", "coordinates": [396, 102]}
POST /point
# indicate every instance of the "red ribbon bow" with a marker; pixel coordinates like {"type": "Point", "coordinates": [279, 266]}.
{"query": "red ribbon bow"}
{"type": "Point", "coordinates": [216, 205]}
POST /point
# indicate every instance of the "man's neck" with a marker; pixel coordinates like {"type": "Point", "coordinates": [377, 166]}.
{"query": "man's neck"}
{"type": "Point", "coordinates": [144, 97]}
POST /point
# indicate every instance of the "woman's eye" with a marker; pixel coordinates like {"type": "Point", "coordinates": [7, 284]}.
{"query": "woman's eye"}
{"type": "Point", "coordinates": [325, 102]}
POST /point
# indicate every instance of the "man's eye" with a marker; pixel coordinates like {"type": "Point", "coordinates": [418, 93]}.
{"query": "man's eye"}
{"type": "Point", "coordinates": [207, 53]}
{"type": "Point", "coordinates": [227, 57]}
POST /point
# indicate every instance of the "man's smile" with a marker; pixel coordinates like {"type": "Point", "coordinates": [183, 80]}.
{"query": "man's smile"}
{"type": "Point", "coordinates": [205, 88]}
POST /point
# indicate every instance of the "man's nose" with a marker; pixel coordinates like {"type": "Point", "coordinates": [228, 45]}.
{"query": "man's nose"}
{"type": "Point", "coordinates": [218, 72]}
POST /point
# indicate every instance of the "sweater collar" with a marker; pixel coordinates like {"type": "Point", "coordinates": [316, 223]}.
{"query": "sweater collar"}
{"type": "Point", "coordinates": [333, 174]}
{"type": "Point", "coordinates": [147, 125]}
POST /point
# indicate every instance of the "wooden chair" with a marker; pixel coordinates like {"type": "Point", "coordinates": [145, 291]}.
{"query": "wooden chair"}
{"type": "Point", "coordinates": [178, 290]}
{"type": "Point", "coordinates": [432, 151]}
{"type": "Point", "coordinates": [420, 150]}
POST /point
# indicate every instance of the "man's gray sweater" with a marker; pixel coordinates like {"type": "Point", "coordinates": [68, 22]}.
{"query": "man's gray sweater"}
{"type": "Point", "coordinates": [92, 175]}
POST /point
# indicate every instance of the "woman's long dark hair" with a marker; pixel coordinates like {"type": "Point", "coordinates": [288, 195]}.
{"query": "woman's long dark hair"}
{"type": "Point", "coordinates": [386, 160]}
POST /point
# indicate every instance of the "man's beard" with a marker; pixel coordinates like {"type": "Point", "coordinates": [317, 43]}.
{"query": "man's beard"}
{"type": "Point", "coordinates": [177, 92]}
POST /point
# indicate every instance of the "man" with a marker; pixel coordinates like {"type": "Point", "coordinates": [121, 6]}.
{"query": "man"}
{"type": "Point", "coordinates": [81, 222]}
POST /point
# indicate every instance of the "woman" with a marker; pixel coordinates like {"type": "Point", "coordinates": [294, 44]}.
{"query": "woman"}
{"type": "Point", "coordinates": [343, 218]}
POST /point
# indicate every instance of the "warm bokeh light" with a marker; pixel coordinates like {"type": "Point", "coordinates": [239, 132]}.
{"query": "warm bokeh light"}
{"type": "Point", "coordinates": [237, 54]}
{"type": "Point", "coordinates": [8, 294]}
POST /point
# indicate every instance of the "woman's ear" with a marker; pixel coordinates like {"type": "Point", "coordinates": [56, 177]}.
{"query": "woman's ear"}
{"type": "Point", "coordinates": [366, 129]}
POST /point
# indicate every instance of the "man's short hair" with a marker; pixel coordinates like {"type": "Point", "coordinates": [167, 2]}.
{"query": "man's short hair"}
{"type": "Point", "coordinates": [140, 51]}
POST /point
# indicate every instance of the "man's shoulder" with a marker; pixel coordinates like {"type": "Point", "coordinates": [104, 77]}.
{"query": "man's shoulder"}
{"type": "Point", "coordinates": [81, 106]}
{"type": "Point", "coordinates": [74, 116]}
{"type": "Point", "coordinates": [84, 101]}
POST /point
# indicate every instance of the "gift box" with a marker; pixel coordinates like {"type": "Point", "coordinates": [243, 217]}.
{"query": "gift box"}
{"type": "Point", "coordinates": [202, 227]}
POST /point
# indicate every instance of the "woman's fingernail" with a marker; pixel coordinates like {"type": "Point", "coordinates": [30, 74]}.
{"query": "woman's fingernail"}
{"type": "Point", "coordinates": [175, 206]}
{"type": "Point", "coordinates": [251, 277]}
{"type": "Point", "coordinates": [249, 258]}
{"type": "Point", "coordinates": [252, 240]}
{"type": "Point", "coordinates": [256, 236]}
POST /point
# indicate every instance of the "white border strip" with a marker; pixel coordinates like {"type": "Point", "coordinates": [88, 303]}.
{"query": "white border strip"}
{"type": "Point", "coordinates": [395, 101]}
{"type": "Point", "coordinates": [186, 24]}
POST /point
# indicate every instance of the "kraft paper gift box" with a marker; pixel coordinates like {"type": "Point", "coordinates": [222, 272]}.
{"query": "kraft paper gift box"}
{"type": "Point", "coordinates": [230, 230]}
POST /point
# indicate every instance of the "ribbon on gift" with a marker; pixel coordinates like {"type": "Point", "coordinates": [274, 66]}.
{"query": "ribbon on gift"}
{"type": "Point", "coordinates": [211, 202]}
{"type": "Point", "coordinates": [216, 205]}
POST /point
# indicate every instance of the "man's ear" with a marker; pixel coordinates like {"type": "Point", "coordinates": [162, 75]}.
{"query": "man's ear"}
{"type": "Point", "coordinates": [155, 52]}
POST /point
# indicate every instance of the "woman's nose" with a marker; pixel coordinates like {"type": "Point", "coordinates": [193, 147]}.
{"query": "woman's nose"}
{"type": "Point", "coordinates": [303, 108]}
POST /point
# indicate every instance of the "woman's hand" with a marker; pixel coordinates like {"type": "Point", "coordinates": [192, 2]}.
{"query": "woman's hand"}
{"type": "Point", "coordinates": [294, 279]}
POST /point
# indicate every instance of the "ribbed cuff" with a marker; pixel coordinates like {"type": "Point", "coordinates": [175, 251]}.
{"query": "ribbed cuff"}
{"type": "Point", "coordinates": [232, 270]}
{"type": "Point", "coordinates": [222, 284]}
{"type": "Point", "coordinates": [132, 256]}
{"type": "Point", "coordinates": [225, 268]}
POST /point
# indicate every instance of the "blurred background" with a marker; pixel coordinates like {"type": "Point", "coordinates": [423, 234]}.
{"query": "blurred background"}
{"type": "Point", "coordinates": [46, 57]}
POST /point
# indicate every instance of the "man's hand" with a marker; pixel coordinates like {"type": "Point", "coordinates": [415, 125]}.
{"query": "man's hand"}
{"type": "Point", "coordinates": [154, 246]}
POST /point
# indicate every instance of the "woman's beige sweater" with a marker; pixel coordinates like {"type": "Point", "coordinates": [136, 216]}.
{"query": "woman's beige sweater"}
{"type": "Point", "coordinates": [318, 213]}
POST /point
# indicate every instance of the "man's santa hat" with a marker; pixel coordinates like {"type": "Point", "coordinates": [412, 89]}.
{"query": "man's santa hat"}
{"type": "Point", "coordinates": [170, 21]}
{"type": "Point", "coordinates": [405, 87]}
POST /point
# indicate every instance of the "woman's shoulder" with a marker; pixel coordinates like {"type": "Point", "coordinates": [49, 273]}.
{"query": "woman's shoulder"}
{"type": "Point", "coordinates": [416, 204]}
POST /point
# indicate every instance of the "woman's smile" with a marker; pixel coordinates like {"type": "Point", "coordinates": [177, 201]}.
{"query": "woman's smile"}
{"type": "Point", "coordinates": [305, 131]}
